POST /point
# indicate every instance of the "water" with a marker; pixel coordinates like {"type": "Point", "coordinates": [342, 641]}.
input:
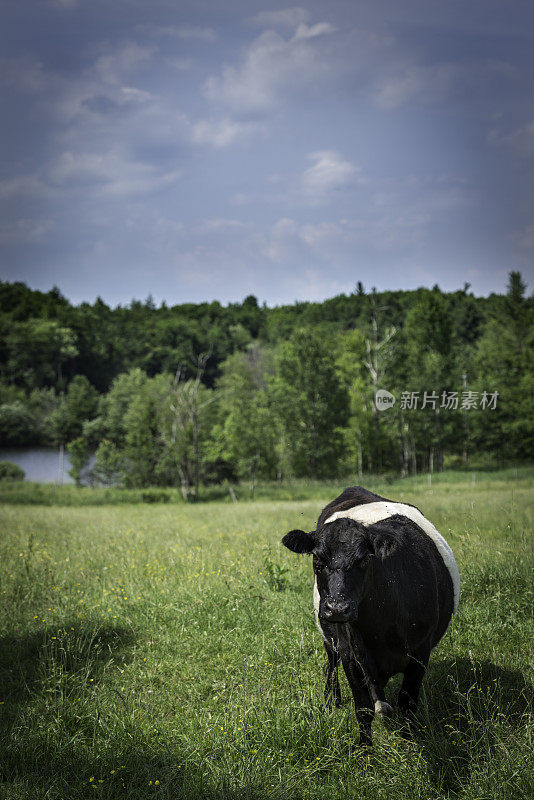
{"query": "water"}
{"type": "Point", "coordinates": [41, 464]}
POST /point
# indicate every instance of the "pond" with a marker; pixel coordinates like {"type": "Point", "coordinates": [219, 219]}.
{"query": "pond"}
{"type": "Point", "coordinates": [41, 464]}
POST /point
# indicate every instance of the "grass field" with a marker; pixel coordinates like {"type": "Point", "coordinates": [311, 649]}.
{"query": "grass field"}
{"type": "Point", "coordinates": [169, 651]}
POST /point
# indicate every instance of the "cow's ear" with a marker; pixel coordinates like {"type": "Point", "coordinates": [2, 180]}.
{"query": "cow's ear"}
{"type": "Point", "coordinates": [299, 541]}
{"type": "Point", "coordinates": [383, 546]}
{"type": "Point", "coordinates": [364, 551]}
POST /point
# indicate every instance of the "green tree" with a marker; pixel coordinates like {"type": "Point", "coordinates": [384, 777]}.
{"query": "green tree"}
{"type": "Point", "coordinates": [429, 367]}
{"type": "Point", "coordinates": [311, 403]}
{"type": "Point", "coordinates": [16, 424]}
{"type": "Point", "coordinates": [109, 464]}
{"type": "Point", "coordinates": [11, 472]}
{"type": "Point", "coordinates": [45, 342]}
{"type": "Point", "coordinates": [42, 403]}
{"type": "Point", "coordinates": [79, 456]}
{"type": "Point", "coordinates": [248, 433]}
{"type": "Point", "coordinates": [79, 403]}
{"type": "Point", "coordinates": [505, 364]}
{"type": "Point", "coordinates": [350, 366]}
{"type": "Point", "coordinates": [378, 356]}
{"type": "Point", "coordinates": [186, 420]}
{"type": "Point", "coordinates": [141, 447]}
{"type": "Point", "coordinates": [114, 406]}
{"type": "Point", "coordinates": [38, 350]}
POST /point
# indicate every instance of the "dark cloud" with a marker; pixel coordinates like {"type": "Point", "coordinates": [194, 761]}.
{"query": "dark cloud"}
{"type": "Point", "coordinates": [214, 150]}
{"type": "Point", "coordinates": [100, 104]}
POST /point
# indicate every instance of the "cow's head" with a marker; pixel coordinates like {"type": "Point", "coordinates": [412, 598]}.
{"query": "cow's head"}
{"type": "Point", "coordinates": [343, 553]}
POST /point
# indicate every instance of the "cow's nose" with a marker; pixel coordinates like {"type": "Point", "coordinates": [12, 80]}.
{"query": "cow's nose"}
{"type": "Point", "coordinates": [335, 609]}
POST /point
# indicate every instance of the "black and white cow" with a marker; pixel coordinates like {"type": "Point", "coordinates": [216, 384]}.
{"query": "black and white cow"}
{"type": "Point", "coordinates": [386, 588]}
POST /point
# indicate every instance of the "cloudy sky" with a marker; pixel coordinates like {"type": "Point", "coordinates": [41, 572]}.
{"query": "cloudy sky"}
{"type": "Point", "coordinates": [199, 149]}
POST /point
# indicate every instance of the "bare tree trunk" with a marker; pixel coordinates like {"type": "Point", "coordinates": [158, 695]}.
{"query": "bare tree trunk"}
{"type": "Point", "coordinates": [61, 464]}
{"type": "Point", "coordinates": [313, 459]}
{"type": "Point", "coordinates": [360, 461]}
{"type": "Point", "coordinates": [377, 356]}
{"type": "Point", "coordinates": [196, 454]}
{"type": "Point", "coordinates": [405, 445]}
{"type": "Point", "coordinates": [374, 377]}
{"type": "Point", "coordinates": [466, 423]}
{"type": "Point", "coordinates": [281, 457]}
{"type": "Point", "coordinates": [184, 485]}
{"type": "Point", "coordinates": [439, 440]}
{"type": "Point", "coordinates": [252, 479]}
{"type": "Point", "coordinates": [400, 444]}
{"type": "Point", "coordinates": [185, 408]}
{"type": "Point", "coordinates": [378, 453]}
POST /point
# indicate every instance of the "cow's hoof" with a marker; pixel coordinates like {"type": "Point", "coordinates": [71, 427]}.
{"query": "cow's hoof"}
{"type": "Point", "coordinates": [383, 708]}
{"type": "Point", "coordinates": [407, 732]}
{"type": "Point", "coordinates": [366, 747]}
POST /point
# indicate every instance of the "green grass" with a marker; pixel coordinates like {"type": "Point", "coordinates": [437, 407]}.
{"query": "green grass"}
{"type": "Point", "coordinates": [169, 651]}
{"type": "Point", "coordinates": [48, 494]}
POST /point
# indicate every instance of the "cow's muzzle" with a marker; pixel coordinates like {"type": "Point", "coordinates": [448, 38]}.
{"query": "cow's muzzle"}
{"type": "Point", "coordinates": [337, 610]}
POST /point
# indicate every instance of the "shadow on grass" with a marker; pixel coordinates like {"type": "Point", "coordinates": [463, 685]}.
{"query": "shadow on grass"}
{"type": "Point", "coordinates": [129, 769]}
{"type": "Point", "coordinates": [43, 662]}
{"type": "Point", "coordinates": [470, 711]}
{"type": "Point", "coordinates": [60, 737]}
{"type": "Point", "coordinates": [65, 732]}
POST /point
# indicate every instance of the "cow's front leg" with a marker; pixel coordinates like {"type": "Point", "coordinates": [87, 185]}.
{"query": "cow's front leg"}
{"type": "Point", "coordinates": [331, 689]}
{"type": "Point", "coordinates": [411, 684]}
{"type": "Point", "coordinates": [363, 702]}
{"type": "Point", "coordinates": [364, 713]}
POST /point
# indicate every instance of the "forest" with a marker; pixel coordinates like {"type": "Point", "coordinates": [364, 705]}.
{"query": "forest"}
{"type": "Point", "coordinates": [197, 394]}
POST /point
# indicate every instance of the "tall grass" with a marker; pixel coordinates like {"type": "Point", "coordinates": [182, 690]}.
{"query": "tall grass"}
{"type": "Point", "coordinates": [170, 651]}
{"type": "Point", "coordinates": [28, 493]}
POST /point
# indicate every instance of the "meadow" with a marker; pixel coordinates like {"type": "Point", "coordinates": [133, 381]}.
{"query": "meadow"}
{"type": "Point", "coordinates": [168, 650]}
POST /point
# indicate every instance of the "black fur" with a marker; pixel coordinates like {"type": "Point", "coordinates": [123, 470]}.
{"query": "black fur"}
{"type": "Point", "coordinates": [386, 598]}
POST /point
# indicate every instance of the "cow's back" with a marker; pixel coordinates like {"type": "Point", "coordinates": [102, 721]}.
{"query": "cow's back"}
{"type": "Point", "coordinates": [349, 497]}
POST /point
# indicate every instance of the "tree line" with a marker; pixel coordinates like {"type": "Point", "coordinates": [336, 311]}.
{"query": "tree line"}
{"type": "Point", "coordinates": [202, 393]}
